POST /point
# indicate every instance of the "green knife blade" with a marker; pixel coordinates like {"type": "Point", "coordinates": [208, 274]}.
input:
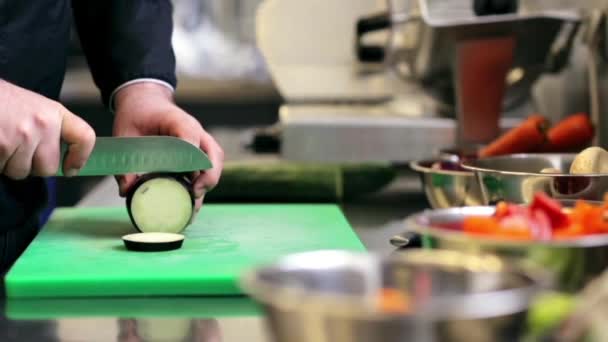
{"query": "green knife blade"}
{"type": "Point", "coordinates": [123, 155]}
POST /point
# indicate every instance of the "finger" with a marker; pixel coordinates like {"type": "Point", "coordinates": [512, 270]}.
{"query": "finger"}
{"type": "Point", "coordinates": [192, 136]}
{"type": "Point", "coordinates": [45, 162]}
{"type": "Point", "coordinates": [81, 139]}
{"type": "Point", "coordinates": [194, 175]}
{"type": "Point", "coordinates": [209, 178]}
{"type": "Point", "coordinates": [125, 182]}
{"type": "Point", "coordinates": [198, 204]}
{"type": "Point", "coordinates": [7, 150]}
{"type": "Point", "coordinates": [19, 165]}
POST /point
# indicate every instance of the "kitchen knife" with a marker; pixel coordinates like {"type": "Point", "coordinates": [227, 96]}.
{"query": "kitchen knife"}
{"type": "Point", "coordinates": [123, 155]}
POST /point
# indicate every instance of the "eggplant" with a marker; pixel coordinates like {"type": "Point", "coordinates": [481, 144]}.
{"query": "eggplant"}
{"type": "Point", "coordinates": [153, 242]}
{"type": "Point", "coordinates": [161, 203]}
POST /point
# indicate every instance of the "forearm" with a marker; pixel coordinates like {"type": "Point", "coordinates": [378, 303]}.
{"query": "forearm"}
{"type": "Point", "coordinates": [126, 41]}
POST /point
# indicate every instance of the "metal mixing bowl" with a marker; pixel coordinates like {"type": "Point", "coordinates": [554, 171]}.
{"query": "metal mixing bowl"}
{"type": "Point", "coordinates": [515, 178]}
{"type": "Point", "coordinates": [332, 296]}
{"type": "Point", "coordinates": [572, 263]}
{"type": "Point", "coordinates": [447, 188]}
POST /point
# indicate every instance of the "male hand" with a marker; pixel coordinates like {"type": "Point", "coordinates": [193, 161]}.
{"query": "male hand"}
{"type": "Point", "coordinates": [148, 109]}
{"type": "Point", "coordinates": [31, 129]}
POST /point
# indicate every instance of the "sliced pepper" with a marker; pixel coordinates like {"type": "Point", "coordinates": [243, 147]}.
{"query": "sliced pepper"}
{"type": "Point", "coordinates": [595, 221]}
{"type": "Point", "coordinates": [512, 227]}
{"type": "Point", "coordinates": [573, 230]}
{"type": "Point", "coordinates": [580, 211]}
{"type": "Point", "coordinates": [480, 224]}
{"type": "Point", "coordinates": [520, 233]}
{"type": "Point", "coordinates": [502, 209]}
{"type": "Point", "coordinates": [552, 208]}
{"type": "Point", "coordinates": [540, 224]}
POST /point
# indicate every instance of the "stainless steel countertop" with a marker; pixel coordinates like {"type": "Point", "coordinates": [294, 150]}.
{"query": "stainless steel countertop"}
{"type": "Point", "coordinates": [375, 219]}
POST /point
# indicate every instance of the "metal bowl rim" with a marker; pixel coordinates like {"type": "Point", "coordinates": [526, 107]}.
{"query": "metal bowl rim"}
{"type": "Point", "coordinates": [471, 165]}
{"type": "Point", "coordinates": [350, 306]}
{"type": "Point", "coordinates": [412, 223]}
{"type": "Point", "coordinates": [416, 166]}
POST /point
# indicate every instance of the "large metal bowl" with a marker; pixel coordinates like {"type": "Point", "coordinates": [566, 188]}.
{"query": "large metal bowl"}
{"type": "Point", "coordinates": [447, 188]}
{"type": "Point", "coordinates": [572, 263]}
{"type": "Point", "coordinates": [332, 296]}
{"type": "Point", "coordinates": [517, 177]}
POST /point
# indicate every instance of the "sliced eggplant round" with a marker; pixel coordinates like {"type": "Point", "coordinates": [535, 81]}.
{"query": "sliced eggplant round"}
{"type": "Point", "coordinates": [153, 242]}
{"type": "Point", "coordinates": [161, 203]}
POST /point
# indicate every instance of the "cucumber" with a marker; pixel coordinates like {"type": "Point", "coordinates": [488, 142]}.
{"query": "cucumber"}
{"type": "Point", "coordinates": [363, 179]}
{"type": "Point", "coordinates": [277, 181]}
{"type": "Point", "coordinates": [298, 182]}
{"type": "Point", "coordinates": [161, 203]}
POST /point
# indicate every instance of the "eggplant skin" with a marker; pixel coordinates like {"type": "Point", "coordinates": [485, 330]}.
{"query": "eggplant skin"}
{"type": "Point", "coordinates": [153, 247]}
{"type": "Point", "coordinates": [180, 178]}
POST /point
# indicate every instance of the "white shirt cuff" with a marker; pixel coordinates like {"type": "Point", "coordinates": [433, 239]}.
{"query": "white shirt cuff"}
{"type": "Point", "coordinates": [137, 80]}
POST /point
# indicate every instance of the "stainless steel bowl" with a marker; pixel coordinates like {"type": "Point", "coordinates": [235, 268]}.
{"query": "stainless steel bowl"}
{"type": "Point", "coordinates": [447, 188]}
{"type": "Point", "coordinates": [572, 263]}
{"type": "Point", "coordinates": [332, 296]}
{"type": "Point", "coordinates": [517, 177]}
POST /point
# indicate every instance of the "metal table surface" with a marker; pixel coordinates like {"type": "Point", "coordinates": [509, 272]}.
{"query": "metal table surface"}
{"type": "Point", "coordinates": [375, 219]}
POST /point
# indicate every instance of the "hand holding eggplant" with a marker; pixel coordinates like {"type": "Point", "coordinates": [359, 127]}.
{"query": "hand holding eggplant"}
{"type": "Point", "coordinates": [148, 109]}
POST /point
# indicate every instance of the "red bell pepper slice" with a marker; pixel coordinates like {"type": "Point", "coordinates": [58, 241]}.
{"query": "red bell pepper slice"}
{"type": "Point", "coordinates": [552, 208]}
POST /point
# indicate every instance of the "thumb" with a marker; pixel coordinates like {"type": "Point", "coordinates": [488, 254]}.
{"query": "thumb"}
{"type": "Point", "coordinates": [80, 138]}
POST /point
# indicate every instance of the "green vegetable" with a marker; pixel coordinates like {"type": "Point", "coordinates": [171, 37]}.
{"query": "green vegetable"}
{"type": "Point", "coordinates": [548, 311]}
{"type": "Point", "coordinates": [298, 182]}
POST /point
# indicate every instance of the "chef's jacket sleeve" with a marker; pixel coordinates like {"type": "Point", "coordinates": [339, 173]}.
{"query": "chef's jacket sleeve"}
{"type": "Point", "coordinates": [126, 41]}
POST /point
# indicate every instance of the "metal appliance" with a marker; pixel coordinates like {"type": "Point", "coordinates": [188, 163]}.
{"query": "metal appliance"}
{"type": "Point", "coordinates": [396, 80]}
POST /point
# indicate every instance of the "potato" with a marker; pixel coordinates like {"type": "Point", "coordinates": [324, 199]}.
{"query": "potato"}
{"type": "Point", "coordinates": [590, 160]}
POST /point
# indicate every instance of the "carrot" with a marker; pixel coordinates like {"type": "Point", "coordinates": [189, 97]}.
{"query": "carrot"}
{"type": "Point", "coordinates": [393, 301]}
{"type": "Point", "coordinates": [572, 231]}
{"type": "Point", "coordinates": [526, 137]}
{"type": "Point", "coordinates": [515, 233]}
{"type": "Point", "coordinates": [480, 225]}
{"type": "Point", "coordinates": [502, 209]}
{"type": "Point", "coordinates": [572, 133]}
{"type": "Point", "coordinates": [595, 222]}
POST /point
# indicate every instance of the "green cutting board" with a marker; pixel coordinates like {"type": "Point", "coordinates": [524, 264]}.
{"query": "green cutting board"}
{"type": "Point", "coordinates": [183, 307]}
{"type": "Point", "coordinates": [79, 253]}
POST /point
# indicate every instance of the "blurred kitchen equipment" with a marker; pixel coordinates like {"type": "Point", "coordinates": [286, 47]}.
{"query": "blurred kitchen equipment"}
{"type": "Point", "coordinates": [594, 38]}
{"type": "Point", "coordinates": [423, 53]}
{"type": "Point", "coordinates": [339, 108]}
{"type": "Point", "coordinates": [446, 185]}
{"type": "Point", "coordinates": [468, 52]}
{"type": "Point", "coordinates": [573, 263]}
{"type": "Point", "coordinates": [365, 133]}
{"type": "Point", "coordinates": [515, 178]}
{"type": "Point", "coordinates": [213, 40]}
{"type": "Point", "coordinates": [307, 48]}
{"type": "Point", "coordinates": [450, 296]}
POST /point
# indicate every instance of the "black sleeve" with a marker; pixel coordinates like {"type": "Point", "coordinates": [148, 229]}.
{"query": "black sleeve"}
{"type": "Point", "coordinates": [126, 39]}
